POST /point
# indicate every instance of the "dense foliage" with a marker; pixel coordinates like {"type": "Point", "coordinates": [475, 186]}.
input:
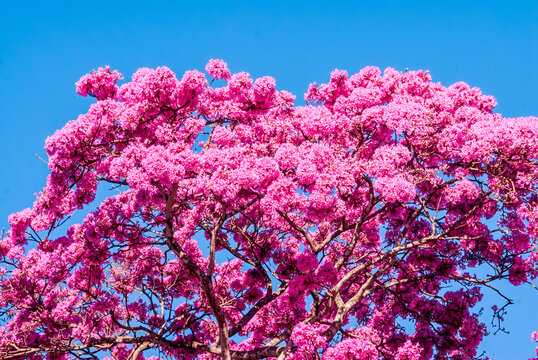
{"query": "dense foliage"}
{"type": "Point", "coordinates": [363, 225]}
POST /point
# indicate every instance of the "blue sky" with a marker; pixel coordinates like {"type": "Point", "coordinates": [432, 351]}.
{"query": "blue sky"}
{"type": "Point", "coordinates": [45, 48]}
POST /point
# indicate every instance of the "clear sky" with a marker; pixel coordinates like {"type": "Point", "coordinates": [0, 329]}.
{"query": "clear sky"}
{"type": "Point", "coordinates": [45, 46]}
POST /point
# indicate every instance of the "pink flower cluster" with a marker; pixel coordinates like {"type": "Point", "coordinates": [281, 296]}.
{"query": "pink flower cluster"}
{"type": "Point", "coordinates": [218, 69]}
{"type": "Point", "coordinates": [534, 337]}
{"type": "Point", "coordinates": [352, 349]}
{"type": "Point", "coordinates": [100, 84]}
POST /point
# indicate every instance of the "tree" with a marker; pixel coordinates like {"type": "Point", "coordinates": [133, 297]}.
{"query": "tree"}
{"type": "Point", "coordinates": [363, 225]}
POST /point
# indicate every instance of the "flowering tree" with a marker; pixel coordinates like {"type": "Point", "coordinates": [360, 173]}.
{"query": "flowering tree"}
{"type": "Point", "coordinates": [363, 225]}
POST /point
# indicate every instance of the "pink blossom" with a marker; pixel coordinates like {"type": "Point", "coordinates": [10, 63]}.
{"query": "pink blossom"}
{"type": "Point", "coordinates": [100, 84]}
{"type": "Point", "coordinates": [395, 189]}
{"type": "Point", "coordinates": [218, 69]}
{"type": "Point", "coordinates": [352, 349]}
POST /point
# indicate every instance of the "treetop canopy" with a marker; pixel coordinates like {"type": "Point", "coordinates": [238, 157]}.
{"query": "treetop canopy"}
{"type": "Point", "coordinates": [364, 224]}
